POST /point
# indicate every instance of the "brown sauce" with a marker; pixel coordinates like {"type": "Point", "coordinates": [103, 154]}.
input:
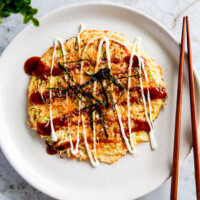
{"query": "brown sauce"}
{"type": "Point", "coordinates": [45, 128]}
{"type": "Point", "coordinates": [36, 98]}
{"type": "Point", "coordinates": [31, 65]}
{"type": "Point", "coordinates": [140, 125]}
{"type": "Point", "coordinates": [66, 145]}
{"type": "Point", "coordinates": [50, 150]}
{"type": "Point", "coordinates": [34, 66]}
{"type": "Point", "coordinates": [155, 92]}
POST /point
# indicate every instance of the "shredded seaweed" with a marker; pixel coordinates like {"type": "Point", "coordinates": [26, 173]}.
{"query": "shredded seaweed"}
{"type": "Point", "coordinates": [105, 94]}
{"type": "Point", "coordinates": [95, 103]}
{"type": "Point", "coordinates": [86, 94]}
{"type": "Point", "coordinates": [115, 82]}
{"type": "Point", "coordinates": [74, 61]}
{"type": "Point", "coordinates": [103, 74]}
{"type": "Point", "coordinates": [66, 72]}
{"type": "Point", "coordinates": [102, 122]}
{"type": "Point", "coordinates": [91, 118]}
{"type": "Point", "coordinates": [136, 75]}
{"type": "Point", "coordinates": [112, 102]}
{"type": "Point", "coordinates": [90, 106]}
{"type": "Point", "coordinates": [90, 59]}
{"type": "Point", "coordinates": [92, 80]}
{"type": "Point", "coordinates": [120, 97]}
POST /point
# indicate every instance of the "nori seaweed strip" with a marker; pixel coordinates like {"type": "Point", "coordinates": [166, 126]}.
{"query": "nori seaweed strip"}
{"type": "Point", "coordinates": [105, 94]}
{"type": "Point", "coordinates": [88, 57]}
{"type": "Point", "coordinates": [90, 106]}
{"type": "Point", "coordinates": [92, 80]}
{"type": "Point", "coordinates": [74, 61]}
{"type": "Point", "coordinates": [59, 89]}
{"type": "Point", "coordinates": [120, 97]}
{"type": "Point", "coordinates": [84, 93]}
{"type": "Point", "coordinates": [139, 75]}
{"type": "Point", "coordinates": [105, 74]}
{"type": "Point", "coordinates": [66, 72]}
{"type": "Point", "coordinates": [100, 74]}
{"type": "Point", "coordinates": [102, 122]}
{"type": "Point", "coordinates": [115, 82]}
{"type": "Point", "coordinates": [89, 88]}
{"type": "Point", "coordinates": [111, 99]}
{"type": "Point", "coordinates": [91, 118]}
{"type": "Point", "coordinates": [73, 90]}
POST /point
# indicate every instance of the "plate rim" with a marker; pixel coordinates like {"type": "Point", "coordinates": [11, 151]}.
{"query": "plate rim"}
{"type": "Point", "coordinates": [74, 5]}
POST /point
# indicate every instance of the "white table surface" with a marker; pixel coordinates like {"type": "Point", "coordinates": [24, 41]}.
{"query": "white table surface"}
{"type": "Point", "coordinates": [169, 13]}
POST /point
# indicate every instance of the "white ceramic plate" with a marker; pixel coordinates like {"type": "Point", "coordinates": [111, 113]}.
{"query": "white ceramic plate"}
{"type": "Point", "coordinates": [129, 178]}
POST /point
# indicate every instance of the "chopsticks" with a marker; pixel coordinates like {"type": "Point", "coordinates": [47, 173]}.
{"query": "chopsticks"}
{"type": "Point", "coordinates": [193, 116]}
{"type": "Point", "coordinates": [175, 165]}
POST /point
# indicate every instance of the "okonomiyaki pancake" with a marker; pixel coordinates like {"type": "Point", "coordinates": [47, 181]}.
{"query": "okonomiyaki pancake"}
{"type": "Point", "coordinates": [95, 96]}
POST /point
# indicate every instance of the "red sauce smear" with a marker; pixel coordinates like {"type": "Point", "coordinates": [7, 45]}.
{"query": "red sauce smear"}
{"type": "Point", "coordinates": [155, 92]}
{"type": "Point", "coordinates": [34, 66]}
{"type": "Point", "coordinates": [31, 65]}
{"type": "Point", "coordinates": [36, 97]}
{"type": "Point", "coordinates": [140, 126]}
{"type": "Point", "coordinates": [50, 150]}
{"type": "Point", "coordinates": [66, 145]}
{"type": "Point", "coordinates": [45, 128]}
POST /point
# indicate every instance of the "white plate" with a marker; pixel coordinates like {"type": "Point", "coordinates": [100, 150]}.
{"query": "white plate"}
{"type": "Point", "coordinates": [131, 177]}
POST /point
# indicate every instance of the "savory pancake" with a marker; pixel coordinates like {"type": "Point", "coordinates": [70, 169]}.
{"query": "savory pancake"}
{"type": "Point", "coordinates": [95, 96]}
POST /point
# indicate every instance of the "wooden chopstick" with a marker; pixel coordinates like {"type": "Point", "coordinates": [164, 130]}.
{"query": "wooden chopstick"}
{"type": "Point", "coordinates": [193, 115]}
{"type": "Point", "coordinates": [175, 165]}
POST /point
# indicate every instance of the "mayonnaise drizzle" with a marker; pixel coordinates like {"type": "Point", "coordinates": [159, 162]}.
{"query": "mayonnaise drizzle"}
{"type": "Point", "coordinates": [132, 135]}
{"type": "Point", "coordinates": [74, 152]}
{"type": "Point", "coordinates": [53, 135]}
{"type": "Point", "coordinates": [150, 122]}
{"type": "Point", "coordinates": [78, 36]}
{"type": "Point", "coordinates": [94, 161]}
{"type": "Point", "coordinates": [56, 41]}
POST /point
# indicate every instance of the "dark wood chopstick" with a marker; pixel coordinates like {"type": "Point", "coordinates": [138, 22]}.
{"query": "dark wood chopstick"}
{"type": "Point", "coordinates": [193, 115]}
{"type": "Point", "coordinates": [175, 165]}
